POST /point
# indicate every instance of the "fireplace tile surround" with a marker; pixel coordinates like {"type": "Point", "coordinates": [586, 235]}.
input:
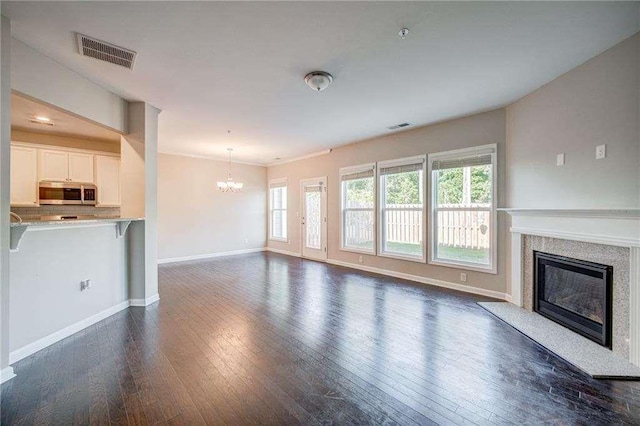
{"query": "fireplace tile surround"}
{"type": "Point", "coordinates": [609, 237]}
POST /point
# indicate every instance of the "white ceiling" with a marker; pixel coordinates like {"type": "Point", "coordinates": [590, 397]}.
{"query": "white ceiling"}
{"type": "Point", "coordinates": [23, 110]}
{"type": "Point", "coordinates": [213, 66]}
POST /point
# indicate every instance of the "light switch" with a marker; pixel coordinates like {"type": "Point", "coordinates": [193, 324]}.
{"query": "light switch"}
{"type": "Point", "coordinates": [601, 152]}
{"type": "Point", "coordinates": [560, 159]}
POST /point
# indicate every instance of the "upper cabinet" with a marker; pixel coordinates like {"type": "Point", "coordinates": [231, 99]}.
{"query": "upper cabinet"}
{"type": "Point", "coordinates": [24, 176]}
{"type": "Point", "coordinates": [33, 163]}
{"type": "Point", "coordinates": [81, 167]}
{"type": "Point", "coordinates": [54, 165]}
{"type": "Point", "coordinates": [107, 180]}
{"type": "Point", "coordinates": [66, 166]}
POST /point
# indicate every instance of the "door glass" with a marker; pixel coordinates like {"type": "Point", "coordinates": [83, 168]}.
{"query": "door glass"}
{"type": "Point", "coordinates": [313, 220]}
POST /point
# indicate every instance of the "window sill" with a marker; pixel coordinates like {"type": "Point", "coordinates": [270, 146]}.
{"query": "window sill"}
{"type": "Point", "coordinates": [465, 266]}
{"type": "Point", "coordinates": [360, 251]}
{"type": "Point", "coordinates": [280, 240]}
{"type": "Point", "coordinates": [401, 257]}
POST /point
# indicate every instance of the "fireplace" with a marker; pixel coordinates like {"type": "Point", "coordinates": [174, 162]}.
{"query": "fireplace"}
{"type": "Point", "coordinates": [574, 293]}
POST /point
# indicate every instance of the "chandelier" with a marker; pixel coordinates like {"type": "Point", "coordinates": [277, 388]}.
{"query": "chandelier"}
{"type": "Point", "coordinates": [230, 184]}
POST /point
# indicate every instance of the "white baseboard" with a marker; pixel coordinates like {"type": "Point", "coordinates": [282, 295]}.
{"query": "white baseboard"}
{"type": "Point", "coordinates": [40, 344]}
{"type": "Point", "coordinates": [210, 255]}
{"type": "Point", "coordinates": [6, 374]}
{"type": "Point", "coordinates": [423, 280]}
{"type": "Point", "coordinates": [285, 252]}
{"type": "Point", "coordinates": [144, 302]}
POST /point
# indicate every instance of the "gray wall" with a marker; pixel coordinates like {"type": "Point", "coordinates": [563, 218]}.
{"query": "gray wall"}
{"type": "Point", "coordinates": [46, 274]}
{"type": "Point", "coordinates": [470, 131]}
{"type": "Point", "coordinates": [595, 103]}
{"type": "Point", "coordinates": [195, 218]}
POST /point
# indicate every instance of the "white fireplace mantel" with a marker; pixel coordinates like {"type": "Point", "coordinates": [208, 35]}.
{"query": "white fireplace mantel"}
{"type": "Point", "coordinates": [616, 227]}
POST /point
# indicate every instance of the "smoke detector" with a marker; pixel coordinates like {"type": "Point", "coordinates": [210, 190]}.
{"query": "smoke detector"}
{"type": "Point", "coordinates": [318, 80]}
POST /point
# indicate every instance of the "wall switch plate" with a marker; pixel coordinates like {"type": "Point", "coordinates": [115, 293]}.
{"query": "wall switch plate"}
{"type": "Point", "coordinates": [560, 159]}
{"type": "Point", "coordinates": [360, 259]}
{"type": "Point", "coordinates": [601, 151]}
{"type": "Point", "coordinates": [463, 277]}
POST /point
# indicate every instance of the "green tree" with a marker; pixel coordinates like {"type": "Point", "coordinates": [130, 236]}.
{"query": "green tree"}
{"type": "Point", "coordinates": [403, 188]}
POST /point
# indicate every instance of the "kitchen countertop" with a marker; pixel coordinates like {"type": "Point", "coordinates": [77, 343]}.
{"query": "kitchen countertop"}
{"type": "Point", "coordinates": [71, 222]}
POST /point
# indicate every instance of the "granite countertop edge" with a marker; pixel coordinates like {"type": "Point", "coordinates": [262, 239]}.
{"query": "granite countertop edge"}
{"type": "Point", "coordinates": [71, 222]}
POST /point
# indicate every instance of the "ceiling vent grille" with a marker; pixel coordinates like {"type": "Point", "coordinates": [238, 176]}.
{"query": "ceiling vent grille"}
{"type": "Point", "coordinates": [106, 52]}
{"type": "Point", "coordinates": [399, 126]}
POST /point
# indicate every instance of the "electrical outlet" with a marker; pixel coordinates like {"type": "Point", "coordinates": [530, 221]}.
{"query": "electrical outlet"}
{"type": "Point", "coordinates": [360, 259]}
{"type": "Point", "coordinates": [246, 240]}
{"type": "Point", "coordinates": [601, 152]}
{"type": "Point", "coordinates": [85, 285]}
{"type": "Point", "coordinates": [560, 159]}
{"type": "Point", "coordinates": [463, 277]}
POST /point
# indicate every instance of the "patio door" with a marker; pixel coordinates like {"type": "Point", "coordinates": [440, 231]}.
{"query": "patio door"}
{"type": "Point", "coordinates": [314, 218]}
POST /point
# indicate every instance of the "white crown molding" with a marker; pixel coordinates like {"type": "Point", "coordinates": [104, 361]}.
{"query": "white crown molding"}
{"type": "Point", "coordinates": [630, 213]}
{"type": "Point", "coordinates": [211, 158]}
{"type": "Point", "coordinates": [302, 157]}
{"type": "Point", "coordinates": [209, 255]}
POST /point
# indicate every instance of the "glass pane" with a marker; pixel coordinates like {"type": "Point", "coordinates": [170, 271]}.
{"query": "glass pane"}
{"type": "Point", "coordinates": [313, 219]}
{"type": "Point", "coordinates": [358, 193]}
{"type": "Point", "coordinates": [403, 189]}
{"type": "Point", "coordinates": [358, 229]}
{"type": "Point", "coordinates": [279, 224]}
{"type": "Point", "coordinates": [464, 186]}
{"type": "Point", "coordinates": [279, 198]}
{"type": "Point", "coordinates": [464, 236]}
{"type": "Point", "coordinates": [574, 291]}
{"type": "Point", "coordinates": [403, 231]}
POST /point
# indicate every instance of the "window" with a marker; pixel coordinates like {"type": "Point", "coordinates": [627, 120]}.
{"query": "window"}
{"type": "Point", "coordinates": [402, 208]}
{"type": "Point", "coordinates": [463, 217]}
{"type": "Point", "coordinates": [358, 204]}
{"type": "Point", "coordinates": [278, 209]}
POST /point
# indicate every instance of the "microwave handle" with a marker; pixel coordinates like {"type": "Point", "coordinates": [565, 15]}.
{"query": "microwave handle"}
{"type": "Point", "coordinates": [82, 194]}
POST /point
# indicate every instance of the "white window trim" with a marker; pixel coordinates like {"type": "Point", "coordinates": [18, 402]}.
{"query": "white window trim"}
{"type": "Point", "coordinates": [457, 153]}
{"type": "Point", "coordinates": [347, 171]}
{"type": "Point", "coordinates": [380, 203]}
{"type": "Point", "coordinates": [269, 220]}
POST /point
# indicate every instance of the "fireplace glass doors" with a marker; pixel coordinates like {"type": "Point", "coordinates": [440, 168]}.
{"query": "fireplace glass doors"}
{"type": "Point", "coordinates": [575, 294]}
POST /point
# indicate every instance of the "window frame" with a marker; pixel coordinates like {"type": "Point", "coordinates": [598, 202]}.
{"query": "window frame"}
{"type": "Point", "coordinates": [347, 171]}
{"type": "Point", "coordinates": [380, 201]}
{"type": "Point", "coordinates": [491, 149]}
{"type": "Point", "coordinates": [278, 181]}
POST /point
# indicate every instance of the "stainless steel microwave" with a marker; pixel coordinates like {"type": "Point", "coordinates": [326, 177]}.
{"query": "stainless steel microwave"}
{"type": "Point", "coordinates": [54, 192]}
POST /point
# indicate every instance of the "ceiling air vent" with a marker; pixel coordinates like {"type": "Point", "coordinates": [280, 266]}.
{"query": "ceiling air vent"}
{"type": "Point", "coordinates": [399, 126]}
{"type": "Point", "coordinates": [106, 52]}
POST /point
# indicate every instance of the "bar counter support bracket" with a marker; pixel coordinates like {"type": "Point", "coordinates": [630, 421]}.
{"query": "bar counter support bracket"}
{"type": "Point", "coordinates": [121, 228]}
{"type": "Point", "coordinates": [16, 236]}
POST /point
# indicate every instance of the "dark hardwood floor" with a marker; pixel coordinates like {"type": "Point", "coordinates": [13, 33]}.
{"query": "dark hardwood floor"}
{"type": "Point", "coordinates": [270, 339]}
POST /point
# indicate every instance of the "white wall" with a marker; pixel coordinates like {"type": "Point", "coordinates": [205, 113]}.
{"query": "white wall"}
{"type": "Point", "coordinates": [595, 103]}
{"type": "Point", "coordinates": [195, 218]}
{"type": "Point", "coordinates": [38, 76]}
{"type": "Point", "coordinates": [46, 274]}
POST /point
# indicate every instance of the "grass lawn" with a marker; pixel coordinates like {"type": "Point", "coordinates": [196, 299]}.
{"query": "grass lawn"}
{"type": "Point", "coordinates": [444, 252]}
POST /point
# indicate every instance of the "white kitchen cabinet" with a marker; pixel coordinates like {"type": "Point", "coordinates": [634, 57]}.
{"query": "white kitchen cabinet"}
{"type": "Point", "coordinates": [80, 167]}
{"type": "Point", "coordinates": [53, 165]}
{"type": "Point", "coordinates": [24, 176]}
{"type": "Point", "coordinates": [65, 166]}
{"type": "Point", "coordinates": [107, 180]}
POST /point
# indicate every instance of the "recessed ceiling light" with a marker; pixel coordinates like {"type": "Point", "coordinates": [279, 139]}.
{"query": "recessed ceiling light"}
{"type": "Point", "coordinates": [403, 33]}
{"type": "Point", "coordinates": [41, 119]}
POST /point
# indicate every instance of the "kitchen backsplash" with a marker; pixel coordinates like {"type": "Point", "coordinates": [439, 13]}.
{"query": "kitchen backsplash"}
{"type": "Point", "coordinates": [35, 212]}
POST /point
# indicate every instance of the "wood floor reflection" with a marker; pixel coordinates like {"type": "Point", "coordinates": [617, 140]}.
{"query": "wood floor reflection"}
{"type": "Point", "coordinates": [271, 339]}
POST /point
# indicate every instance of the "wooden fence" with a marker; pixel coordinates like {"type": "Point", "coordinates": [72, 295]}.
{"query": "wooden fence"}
{"type": "Point", "coordinates": [456, 228]}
